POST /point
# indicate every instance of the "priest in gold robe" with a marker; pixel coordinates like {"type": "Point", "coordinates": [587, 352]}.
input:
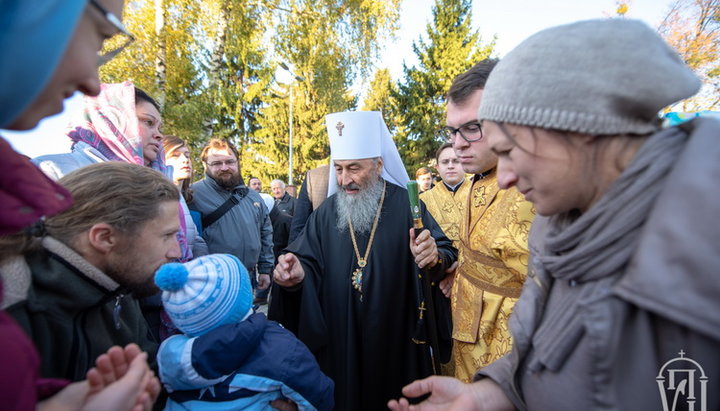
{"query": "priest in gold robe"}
{"type": "Point", "coordinates": [447, 201]}
{"type": "Point", "coordinates": [493, 237]}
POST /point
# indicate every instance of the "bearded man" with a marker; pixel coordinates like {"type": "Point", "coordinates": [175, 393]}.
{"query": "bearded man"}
{"type": "Point", "coordinates": [349, 281]}
{"type": "Point", "coordinates": [71, 287]}
{"type": "Point", "coordinates": [234, 218]}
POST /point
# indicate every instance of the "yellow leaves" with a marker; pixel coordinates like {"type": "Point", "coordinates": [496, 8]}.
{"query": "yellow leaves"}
{"type": "Point", "coordinates": [622, 9]}
{"type": "Point", "coordinates": [692, 28]}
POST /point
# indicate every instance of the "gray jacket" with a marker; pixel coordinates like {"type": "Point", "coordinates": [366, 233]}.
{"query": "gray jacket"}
{"type": "Point", "coordinates": [245, 230]}
{"type": "Point", "coordinates": [660, 311]}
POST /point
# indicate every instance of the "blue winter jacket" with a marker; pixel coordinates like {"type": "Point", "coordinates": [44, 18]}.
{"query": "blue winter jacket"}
{"type": "Point", "coordinates": [242, 366]}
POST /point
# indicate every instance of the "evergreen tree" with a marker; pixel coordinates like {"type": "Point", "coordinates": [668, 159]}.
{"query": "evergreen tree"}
{"type": "Point", "coordinates": [328, 43]}
{"type": "Point", "coordinates": [379, 98]}
{"type": "Point", "coordinates": [213, 62]}
{"type": "Point", "coordinates": [451, 48]}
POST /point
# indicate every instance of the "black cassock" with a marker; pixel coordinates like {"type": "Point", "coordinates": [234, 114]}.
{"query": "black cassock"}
{"type": "Point", "coordinates": [366, 345]}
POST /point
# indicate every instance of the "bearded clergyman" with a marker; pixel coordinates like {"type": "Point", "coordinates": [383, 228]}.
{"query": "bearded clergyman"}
{"type": "Point", "coordinates": [349, 281]}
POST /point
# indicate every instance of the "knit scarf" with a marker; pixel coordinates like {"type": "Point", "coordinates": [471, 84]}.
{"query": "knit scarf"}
{"type": "Point", "coordinates": [601, 241]}
{"type": "Point", "coordinates": [592, 249]}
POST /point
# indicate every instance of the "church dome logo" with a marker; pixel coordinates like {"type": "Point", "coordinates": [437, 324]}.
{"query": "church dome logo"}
{"type": "Point", "coordinates": [683, 384]}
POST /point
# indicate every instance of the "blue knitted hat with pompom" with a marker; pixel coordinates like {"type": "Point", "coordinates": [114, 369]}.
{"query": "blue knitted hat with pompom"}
{"type": "Point", "coordinates": [205, 293]}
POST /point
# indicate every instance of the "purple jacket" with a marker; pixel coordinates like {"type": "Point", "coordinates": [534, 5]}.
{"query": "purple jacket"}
{"type": "Point", "coordinates": [26, 194]}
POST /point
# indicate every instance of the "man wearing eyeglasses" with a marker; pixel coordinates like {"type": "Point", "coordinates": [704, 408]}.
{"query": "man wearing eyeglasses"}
{"type": "Point", "coordinates": [234, 218]}
{"type": "Point", "coordinates": [493, 237]}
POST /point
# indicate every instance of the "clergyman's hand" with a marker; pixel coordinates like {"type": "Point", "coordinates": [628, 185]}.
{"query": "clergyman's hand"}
{"type": "Point", "coordinates": [423, 248]}
{"type": "Point", "coordinates": [288, 271]}
{"type": "Point", "coordinates": [447, 282]}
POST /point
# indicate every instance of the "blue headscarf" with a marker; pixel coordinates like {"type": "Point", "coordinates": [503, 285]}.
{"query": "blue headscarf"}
{"type": "Point", "coordinates": [33, 37]}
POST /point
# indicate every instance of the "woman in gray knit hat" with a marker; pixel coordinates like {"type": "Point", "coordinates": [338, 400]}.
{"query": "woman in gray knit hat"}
{"type": "Point", "coordinates": [621, 308]}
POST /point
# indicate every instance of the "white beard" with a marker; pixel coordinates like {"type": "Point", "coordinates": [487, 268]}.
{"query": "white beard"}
{"type": "Point", "coordinates": [360, 208]}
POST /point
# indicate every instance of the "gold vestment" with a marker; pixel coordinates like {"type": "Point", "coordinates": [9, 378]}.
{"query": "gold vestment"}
{"type": "Point", "coordinates": [492, 266]}
{"type": "Point", "coordinates": [448, 208]}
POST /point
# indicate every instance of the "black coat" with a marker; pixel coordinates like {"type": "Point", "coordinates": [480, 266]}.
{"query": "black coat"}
{"type": "Point", "coordinates": [281, 230]}
{"type": "Point", "coordinates": [365, 345]}
{"type": "Point", "coordinates": [286, 204]}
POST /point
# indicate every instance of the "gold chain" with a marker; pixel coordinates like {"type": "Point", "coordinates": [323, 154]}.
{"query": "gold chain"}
{"type": "Point", "coordinates": [363, 261]}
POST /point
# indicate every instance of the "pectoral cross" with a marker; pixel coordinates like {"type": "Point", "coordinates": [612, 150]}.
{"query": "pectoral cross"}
{"type": "Point", "coordinates": [422, 309]}
{"type": "Point", "coordinates": [340, 126]}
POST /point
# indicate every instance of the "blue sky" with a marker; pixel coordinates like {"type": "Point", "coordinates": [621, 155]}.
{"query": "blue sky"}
{"type": "Point", "coordinates": [511, 20]}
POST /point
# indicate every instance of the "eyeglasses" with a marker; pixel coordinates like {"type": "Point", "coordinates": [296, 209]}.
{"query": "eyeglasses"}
{"type": "Point", "coordinates": [216, 164]}
{"type": "Point", "coordinates": [104, 57]}
{"type": "Point", "coordinates": [470, 132]}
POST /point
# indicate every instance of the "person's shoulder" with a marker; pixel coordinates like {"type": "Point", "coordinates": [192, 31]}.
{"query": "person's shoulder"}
{"type": "Point", "coordinates": [254, 196]}
{"type": "Point", "coordinates": [515, 203]}
{"type": "Point", "coordinates": [200, 187]}
{"type": "Point", "coordinates": [16, 278]}
{"type": "Point", "coordinates": [57, 165]}
{"type": "Point", "coordinates": [433, 191]}
{"type": "Point", "coordinates": [394, 192]}
{"type": "Point", "coordinates": [325, 210]}
{"type": "Point", "coordinates": [58, 157]}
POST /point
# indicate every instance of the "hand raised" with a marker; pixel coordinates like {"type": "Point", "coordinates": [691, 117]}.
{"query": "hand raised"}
{"type": "Point", "coordinates": [288, 271]}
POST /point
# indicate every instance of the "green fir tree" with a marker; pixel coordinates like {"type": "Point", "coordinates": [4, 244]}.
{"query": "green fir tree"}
{"type": "Point", "coordinates": [452, 47]}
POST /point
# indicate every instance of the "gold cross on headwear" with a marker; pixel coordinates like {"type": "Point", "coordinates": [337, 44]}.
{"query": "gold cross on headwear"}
{"type": "Point", "coordinates": [340, 126]}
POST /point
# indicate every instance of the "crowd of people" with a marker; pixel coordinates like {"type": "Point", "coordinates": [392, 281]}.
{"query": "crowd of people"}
{"type": "Point", "coordinates": [563, 259]}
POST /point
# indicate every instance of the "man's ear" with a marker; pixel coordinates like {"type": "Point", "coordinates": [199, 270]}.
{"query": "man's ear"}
{"type": "Point", "coordinates": [380, 165]}
{"type": "Point", "coordinates": [102, 237]}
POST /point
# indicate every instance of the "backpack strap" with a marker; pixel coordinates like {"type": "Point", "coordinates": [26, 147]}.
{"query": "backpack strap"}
{"type": "Point", "coordinates": [224, 208]}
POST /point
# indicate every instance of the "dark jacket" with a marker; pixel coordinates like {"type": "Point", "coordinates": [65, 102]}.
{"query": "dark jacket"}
{"type": "Point", "coordinates": [657, 312]}
{"type": "Point", "coordinates": [286, 204]}
{"type": "Point", "coordinates": [72, 311]}
{"type": "Point", "coordinates": [242, 366]}
{"type": "Point", "coordinates": [281, 230]}
{"type": "Point", "coordinates": [244, 230]}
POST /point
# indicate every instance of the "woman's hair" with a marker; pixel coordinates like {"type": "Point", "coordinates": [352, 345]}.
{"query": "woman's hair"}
{"type": "Point", "coordinates": [141, 95]}
{"type": "Point", "coordinates": [170, 144]}
{"type": "Point", "coordinates": [120, 194]}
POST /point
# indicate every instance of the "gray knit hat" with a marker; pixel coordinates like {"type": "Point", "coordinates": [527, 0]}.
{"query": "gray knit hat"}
{"type": "Point", "coordinates": [600, 77]}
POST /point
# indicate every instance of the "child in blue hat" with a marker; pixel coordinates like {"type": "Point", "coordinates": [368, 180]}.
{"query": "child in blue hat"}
{"type": "Point", "coordinates": [228, 356]}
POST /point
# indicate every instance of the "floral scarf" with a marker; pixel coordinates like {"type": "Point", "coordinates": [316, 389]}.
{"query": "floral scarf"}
{"type": "Point", "coordinates": [109, 124]}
